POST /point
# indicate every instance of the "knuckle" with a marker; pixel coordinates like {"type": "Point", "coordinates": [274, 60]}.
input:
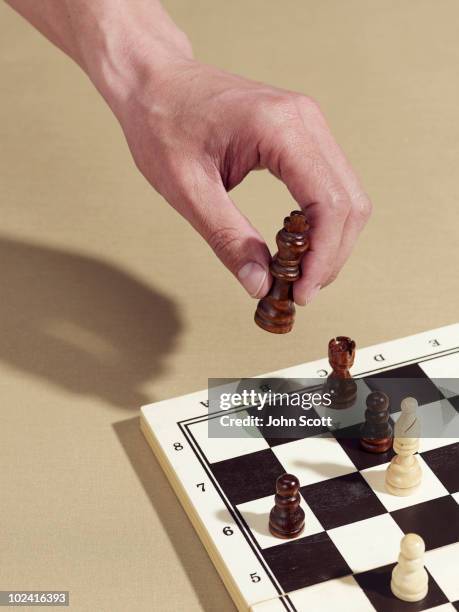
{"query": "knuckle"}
{"type": "Point", "coordinates": [311, 113]}
{"type": "Point", "coordinates": [362, 208]}
{"type": "Point", "coordinates": [340, 203]}
{"type": "Point", "coordinates": [276, 110]}
{"type": "Point", "coordinates": [226, 244]}
{"type": "Point", "coordinates": [310, 105]}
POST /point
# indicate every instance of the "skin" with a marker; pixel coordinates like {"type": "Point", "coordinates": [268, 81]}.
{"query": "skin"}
{"type": "Point", "coordinates": [195, 132]}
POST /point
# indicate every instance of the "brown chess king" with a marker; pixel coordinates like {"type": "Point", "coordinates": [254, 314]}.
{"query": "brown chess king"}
{"type": "Point", "coordinates": [276, 311]}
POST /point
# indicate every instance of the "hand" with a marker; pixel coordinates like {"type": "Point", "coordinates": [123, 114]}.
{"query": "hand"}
{"type": "Point", "coordinates": [199, 131]}
{"type": "Point", "coordinates": [195, 132]}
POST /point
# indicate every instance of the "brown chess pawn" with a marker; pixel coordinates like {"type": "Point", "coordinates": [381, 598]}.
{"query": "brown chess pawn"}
{"type": "Point", "coordinates": [276, 311]}
{"type": "Point", "coordinates": [377, 433]}
{"type": "Point", "coordinates": [286, 519]}
{"type": "Point", "coordinates": [340, 384]}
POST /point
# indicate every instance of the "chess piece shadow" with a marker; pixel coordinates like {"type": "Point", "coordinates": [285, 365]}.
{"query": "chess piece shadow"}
{"type": "Point", "coordinates": [82, 324]}
{"type": "Point", "coordinates": [377, 479]}
{"type": "Point", "coordinates": [324, 469]}
{"type": "Point", "coordinates": [187, 546]}
{"type": "Point", "coordinates": [258, 522]}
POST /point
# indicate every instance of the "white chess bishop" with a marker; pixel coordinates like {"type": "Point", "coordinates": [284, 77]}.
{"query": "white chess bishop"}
{"type": "Point", "coordinates": [409, 577]}
{"type": "Point", "coordinates": [404, 474]}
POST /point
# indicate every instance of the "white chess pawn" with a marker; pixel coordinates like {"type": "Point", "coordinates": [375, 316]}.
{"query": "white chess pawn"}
{"type": "Point", "coordinates": [408, 425]}
{"type": "Point", "coordinates": [409, 577]}
{"type": "Point", "coordinates": [404, 474]}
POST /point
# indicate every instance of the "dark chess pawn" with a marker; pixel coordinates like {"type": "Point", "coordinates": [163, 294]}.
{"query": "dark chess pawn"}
{"type": "Point", "coordinates": [376, 432]}
{"type": "Point", "coordinates": [276, 311]}
{"type": "Point", "coordinates": [286, 519]}
{"type": "Point", "coordinates": [340, 384]}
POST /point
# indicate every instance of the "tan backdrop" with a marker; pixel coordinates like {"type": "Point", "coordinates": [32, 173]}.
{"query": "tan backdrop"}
{"type": "Point", "coordinates": [91, 325]}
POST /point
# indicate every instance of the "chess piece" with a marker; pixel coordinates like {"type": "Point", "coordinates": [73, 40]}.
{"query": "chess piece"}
{"type": "Point", "coordinates": [408, 424]}
{"type": "Point", "coordinates": [376, 431]}
{"type": "Point", "coordinates": [409, 577]}
{"type": "Point", "coordinates": [404, 474]}
{"type": "Point", "coordinates": [340, 384]}
{"type": "Point", "coordinates": [276, 311]}
{"type": "Point", "coordinates": [286, 519]}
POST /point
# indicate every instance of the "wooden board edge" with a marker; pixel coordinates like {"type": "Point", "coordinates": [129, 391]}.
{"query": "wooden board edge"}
{"type": "Point", "coordinates": [193, 516]}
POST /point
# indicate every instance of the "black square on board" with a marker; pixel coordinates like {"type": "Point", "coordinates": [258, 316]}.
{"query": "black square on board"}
{"type": "Point", "coordinates": [342, 500]}
{"type": "Point", "coordinates": [276, 434]}
{"type": "Point", "coordinates": [444, 463]}
{"type": "Point", "coordinates": [376, 586]}
{"type": "Point", "coordinates": [454, 401]}
{"type": "Point", "coordinates": [406, 381]}
{"type": "Point", "coordinates": [307, 561]}
{"type": "Point", "coordinates": [248, 477]}
{"type": "Point", "coordinates": [456, 604]}
{"type": "Point", "coordinates": [436, 521]}
{"type": "Point", "coordinates": [349, 439]}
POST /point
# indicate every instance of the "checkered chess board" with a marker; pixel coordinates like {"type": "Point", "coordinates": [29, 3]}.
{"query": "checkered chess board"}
{"type": "Point", "coordinates": [344, 558]}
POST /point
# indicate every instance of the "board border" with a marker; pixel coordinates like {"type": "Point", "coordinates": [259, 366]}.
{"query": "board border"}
{"type": "Point", "coordinates": [184, 426]}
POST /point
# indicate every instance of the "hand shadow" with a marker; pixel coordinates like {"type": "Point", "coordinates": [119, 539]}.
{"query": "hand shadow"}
{"type": "Point", "coordinates": [81, 323]}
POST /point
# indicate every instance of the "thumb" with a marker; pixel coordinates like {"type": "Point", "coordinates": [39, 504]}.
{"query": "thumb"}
{"type": "Point", "coordinates": [238, 245]}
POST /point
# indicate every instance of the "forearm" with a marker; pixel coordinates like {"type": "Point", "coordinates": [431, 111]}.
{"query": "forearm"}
{"type": "Point", "coordinates": [113, 41]}
{"type": "Point", "coordinates": [195, 132]}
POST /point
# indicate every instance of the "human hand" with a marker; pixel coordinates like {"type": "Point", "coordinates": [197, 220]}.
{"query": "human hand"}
{"type": "Point", "coordinates": [196, 133]}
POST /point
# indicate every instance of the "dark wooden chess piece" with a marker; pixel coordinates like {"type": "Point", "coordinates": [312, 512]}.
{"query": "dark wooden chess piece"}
{"type": "Point", "coordinates": [276, 311]}
{"type": "Point", "coordinates": [340, 384]}
{"type": "Point", "coordinates": [377, 433]}
{"type": "Point", "coordinates": [286, 519]}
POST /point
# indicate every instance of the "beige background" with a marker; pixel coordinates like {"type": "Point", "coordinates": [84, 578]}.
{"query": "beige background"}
{"type": "Point", "coordinates": [108, 300]}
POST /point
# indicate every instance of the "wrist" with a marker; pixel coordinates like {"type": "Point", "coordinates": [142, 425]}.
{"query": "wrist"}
{"type": "Point", "coordinates": [123, 52]}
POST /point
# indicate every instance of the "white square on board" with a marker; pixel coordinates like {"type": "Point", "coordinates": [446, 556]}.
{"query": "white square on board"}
{"type": "Point", "coordinates": [343, 594]}
{"type": "Point", "coordinates": [427, 444]}
{"type": "Point", "coordinates": [256, 515]}
{"type": "Point", "coordinates": [442, 564]}
{"type": "Point", "coordinates": [369, 543]}
{"type": "Point", "coordinates": [218, 449]}
{"type": "Point", "coordinates": [429, 488]}
{"type": "Point", "coordinates": [314, 459]}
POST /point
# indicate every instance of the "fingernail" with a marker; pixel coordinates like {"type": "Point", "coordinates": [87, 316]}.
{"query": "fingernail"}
{"type": "Point", "coordinates": [252, 277]}
{"type": "Point", "coordinates": [314, 291]}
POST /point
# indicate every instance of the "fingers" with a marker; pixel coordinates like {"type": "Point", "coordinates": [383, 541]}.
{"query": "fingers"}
{"type": "Point", "coordinates": [204, 202]}
{"type": "Point", "coordinates": [321, 180]}
{"type": "Point", "coordinates": [319, 192]}
{"type": "Point", "coordinates": [360, 203]}
{"type": "Point", "coordinates": [357, 218]}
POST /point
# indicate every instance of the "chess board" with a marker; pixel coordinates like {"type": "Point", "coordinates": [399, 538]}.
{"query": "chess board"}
{"type": "Point", "coordinates": [344, 558]}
